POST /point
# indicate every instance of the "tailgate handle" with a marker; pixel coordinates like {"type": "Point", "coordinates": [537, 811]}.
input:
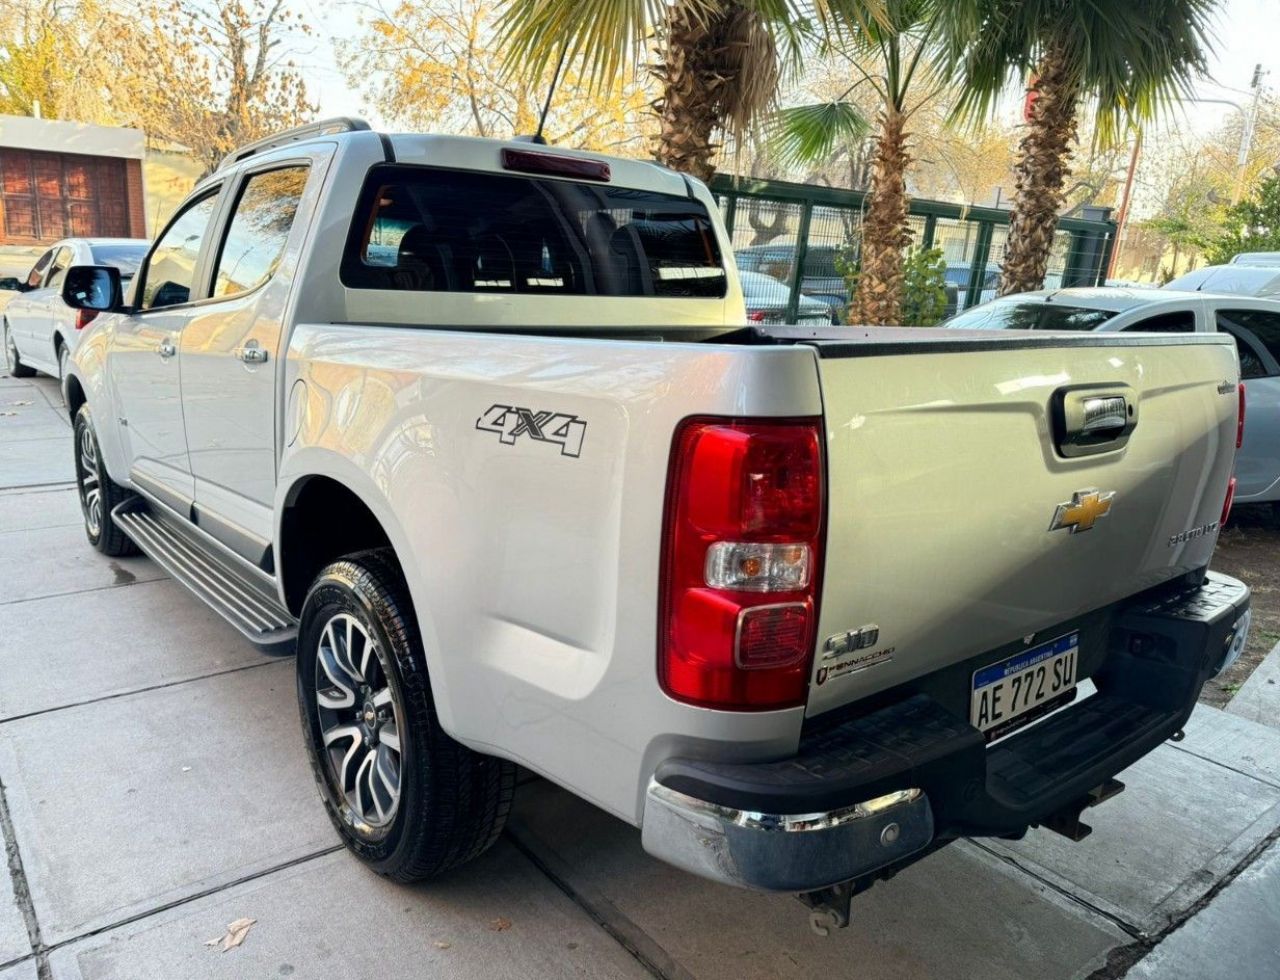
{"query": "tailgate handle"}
{"type": "Point", "coordinates": [1089, 419]}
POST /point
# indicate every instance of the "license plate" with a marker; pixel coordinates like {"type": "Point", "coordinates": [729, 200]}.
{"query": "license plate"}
{"type": "Point", "coordinates": [1023, 687]}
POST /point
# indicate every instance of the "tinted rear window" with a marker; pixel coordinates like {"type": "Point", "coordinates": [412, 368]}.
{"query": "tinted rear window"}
{"type": "Point", "coordinates": [424, 229]}
{"type": "Point", "coordinates": [1004, 315]}
{"type": "Point", "coordinates": [126, 258]}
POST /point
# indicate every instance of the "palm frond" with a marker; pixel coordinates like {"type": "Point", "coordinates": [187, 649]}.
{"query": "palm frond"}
{"type": "Point", "coordinates": [807, 134]}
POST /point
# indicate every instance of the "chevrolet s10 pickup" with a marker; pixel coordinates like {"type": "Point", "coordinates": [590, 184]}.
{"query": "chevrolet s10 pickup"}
{"type": "Point", "coordinates": [480, 430]}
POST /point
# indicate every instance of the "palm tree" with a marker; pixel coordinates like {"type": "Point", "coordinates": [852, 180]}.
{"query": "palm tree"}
{"type": "Point", "coordinates": [1132, 57]}
{"type": "Point", "coordinates": [718, 61]}
{"type": "Point", "coordinates": [889, 55]}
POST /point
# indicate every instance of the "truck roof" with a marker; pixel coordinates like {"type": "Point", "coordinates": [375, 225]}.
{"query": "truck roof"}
{"type": "Point", "coordinates": [460, 152]}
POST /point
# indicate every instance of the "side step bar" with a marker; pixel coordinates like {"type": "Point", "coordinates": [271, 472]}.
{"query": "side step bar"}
{"type": "Point", "coordinates": [218, 582]}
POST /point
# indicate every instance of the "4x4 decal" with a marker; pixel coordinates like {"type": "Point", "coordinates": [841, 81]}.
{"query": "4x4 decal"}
{"type": "Point", "coordinates": [511, 422]}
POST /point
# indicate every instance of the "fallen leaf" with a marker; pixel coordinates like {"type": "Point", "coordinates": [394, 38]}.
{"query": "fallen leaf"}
{"type": "Point", "coordinates": [8, 413]}
{"type": "Point", "coordinates": [236, 933]}
{"type": "Point", "coordinates": [19, 403]}
{"type": "Point", "coordinates": [500, 924]}
{"type": "Point", "coordinates": [186, 768]}
{"type": "Point", "coordinates": [441, 944]}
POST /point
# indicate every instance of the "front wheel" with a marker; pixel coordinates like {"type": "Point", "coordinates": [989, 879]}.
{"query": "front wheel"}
{"type": "Point", "coordinates": [405, 797]}
{"type": "Point", "coordinates": [12, 359]}
{"type": "Point", "coordinates": [99, 494]}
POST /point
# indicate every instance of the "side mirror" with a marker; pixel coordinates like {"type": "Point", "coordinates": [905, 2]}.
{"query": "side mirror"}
{"type": "Point", "coordinates": [12, 283]}
{"type": "Point", "coordinates": [92, 287]}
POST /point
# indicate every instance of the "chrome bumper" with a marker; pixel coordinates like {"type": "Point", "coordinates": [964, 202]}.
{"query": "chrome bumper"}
{"type": "Point", "coordinates": [780, 852]}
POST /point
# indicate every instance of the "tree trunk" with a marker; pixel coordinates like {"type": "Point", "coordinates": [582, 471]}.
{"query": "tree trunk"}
{"type": "Point", "coordinates": [878, 300]}
{"type": "Point", "coordinates": [689, 109]}
{"type": "Point", "coordinates": [1040, 174]}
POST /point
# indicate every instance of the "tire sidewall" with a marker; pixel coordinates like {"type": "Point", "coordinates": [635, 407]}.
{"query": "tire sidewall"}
{"type": "Point", "coordinates": [85, 421]}
{"type": "Point", "coordinates": [338, 590]}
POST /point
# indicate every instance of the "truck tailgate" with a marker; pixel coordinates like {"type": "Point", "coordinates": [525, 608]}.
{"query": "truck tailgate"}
{"type": "Point", "coordinates": [947, 470]}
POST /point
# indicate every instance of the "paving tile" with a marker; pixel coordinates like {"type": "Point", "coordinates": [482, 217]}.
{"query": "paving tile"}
{"type": "Point", "coordinates": [1182, 823]}
{"type": "Point", "coordinates": [1258, 699]}
{"type": "Point", "coordinates": [1235, 937]}
{"type": "Point", "coordinates": [959, 913]}
{"type": "Point", "coordinates": [58, 561]}
{"type": "Point", "coordinates": [31, 510]}
{"type": "Point", "coordinates": [25, 414]}
{"type": "Point", "coordinates": [125, 805]}
{"type": "Point", "coordinates": [111, 641]}
{"type": "Point", "coordinates": [332, 918]}
{"type": "Point", "coordinates": [26, 970]}
{"type": "Point", "coordinates": [1235, 742]}
{"type": "Point", "coordinates": [31, 462]}
{"type": "Point", "coordinates": [13, 928]}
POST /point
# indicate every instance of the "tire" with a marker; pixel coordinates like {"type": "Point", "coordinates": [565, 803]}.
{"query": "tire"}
{"type": "Point", "coordinates": [99, 494]}
{"type": "Point", "coordinates": [409, 814]}
{"type": "Point", "coordinates": [13, 360]}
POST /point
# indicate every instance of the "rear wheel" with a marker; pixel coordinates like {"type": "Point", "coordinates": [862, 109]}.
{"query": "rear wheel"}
{"type": "Point", "coordinates": [99, 494]}
{"type": "Point", "coordinates": [405, 797]}
{"type": "Point", "coordinates": [12, 359]}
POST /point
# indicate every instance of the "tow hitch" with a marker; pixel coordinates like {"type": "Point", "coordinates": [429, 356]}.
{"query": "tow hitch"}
{"type": "Point", "coordinates": [1067, 821]}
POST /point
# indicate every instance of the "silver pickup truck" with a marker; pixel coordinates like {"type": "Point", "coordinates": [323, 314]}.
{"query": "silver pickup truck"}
{"type": "Point", "coordinates": [479, 429]}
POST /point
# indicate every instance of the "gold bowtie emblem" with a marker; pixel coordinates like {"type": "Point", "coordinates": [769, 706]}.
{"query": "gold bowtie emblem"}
{"type": "Point", "coordinates": [1082, 511]}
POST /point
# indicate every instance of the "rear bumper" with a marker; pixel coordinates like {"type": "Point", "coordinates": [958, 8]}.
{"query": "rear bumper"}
{"type": "Point", "coordinates": [877, 790]}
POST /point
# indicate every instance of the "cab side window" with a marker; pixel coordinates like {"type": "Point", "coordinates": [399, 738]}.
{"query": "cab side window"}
{"type": "Point", "coordinates": [171, 269]}
{"type": "Point", "coordinates": [259, 230]}
{"type": "Point", "coordinates": [1257, 336]}
{"type": "Point", "coordinates": [1178, 321]}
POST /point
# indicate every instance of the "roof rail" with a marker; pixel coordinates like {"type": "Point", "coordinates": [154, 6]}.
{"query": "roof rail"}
{"type": "Point", "coordinates": [325, 127]}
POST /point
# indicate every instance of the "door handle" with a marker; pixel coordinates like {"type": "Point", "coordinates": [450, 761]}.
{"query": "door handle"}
{"type": "Point", "coordinates": [252, 354]}
{"type": "Point", "coordinates": [166, 348]}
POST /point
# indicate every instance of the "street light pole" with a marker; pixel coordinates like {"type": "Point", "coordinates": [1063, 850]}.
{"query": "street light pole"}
{"type": "Point", "coordinates": [1246, 134]}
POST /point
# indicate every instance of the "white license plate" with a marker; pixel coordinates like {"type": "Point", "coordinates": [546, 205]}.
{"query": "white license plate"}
{"type": "Point", "coordinates": [1011, 690]}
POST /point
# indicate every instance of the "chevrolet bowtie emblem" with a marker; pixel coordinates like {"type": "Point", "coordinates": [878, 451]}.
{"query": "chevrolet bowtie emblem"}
{"type": "Point", "coordinates": [1082, 511]}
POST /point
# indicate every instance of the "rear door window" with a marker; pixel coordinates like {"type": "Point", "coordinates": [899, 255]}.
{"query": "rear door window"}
{"type": "Point", "coordinates": [431, 230]}
{"type": "Point", "coordinates": [1257, 336]}
{"type": "Point", "coordinates": [259, 230]}
{"type": "Point", "coordinates": [1176, 321]}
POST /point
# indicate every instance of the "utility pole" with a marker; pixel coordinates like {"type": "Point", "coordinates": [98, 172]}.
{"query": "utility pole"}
{"type": "Point", "coordinates": [1122, 219]}
{"type": "Point", "coordinates": [1246, 134]}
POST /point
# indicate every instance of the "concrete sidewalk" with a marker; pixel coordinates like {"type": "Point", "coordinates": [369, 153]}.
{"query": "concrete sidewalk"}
{"type": "Point", "coordinates": [153, 789]}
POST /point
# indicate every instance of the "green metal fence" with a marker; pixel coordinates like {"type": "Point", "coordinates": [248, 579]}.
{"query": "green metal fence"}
{"type": "Point", "coordinates": [792, 232]}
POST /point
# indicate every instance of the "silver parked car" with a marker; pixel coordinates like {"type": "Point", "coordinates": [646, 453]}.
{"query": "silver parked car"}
{"type": "Point", "coordinates": [766, 300]}
{"type": "Point", "coordinates": [40, 330]}
{"type": "Point", "coordinates": [1241, 279]}
{"type": "Point", "coordinates": [1254, 323]}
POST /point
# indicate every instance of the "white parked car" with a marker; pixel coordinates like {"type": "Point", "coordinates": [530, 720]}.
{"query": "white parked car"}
{"type": "Point", "coordinates": [40, 330]}
{"type": "Point", "coordinates": [1253, 323]}
{"type": "Point", "coordinates": [481, 429]}
{"type": "Point", "coordinates": [1271, 259]}
{"type": "Point", "coordinates": [1240, 279]}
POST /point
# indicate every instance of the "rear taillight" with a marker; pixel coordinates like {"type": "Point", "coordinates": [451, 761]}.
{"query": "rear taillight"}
{"type": "Point", "coordinates": [1240, 418]}
{"type": "Point", "coordinates": [84, 318]}
{"type": "Point", "coordinates": [1226, 504]}
{"type": "Point", "coordinates": [756, 316]}
{"type": "Point", "coordinates": [742, 550]}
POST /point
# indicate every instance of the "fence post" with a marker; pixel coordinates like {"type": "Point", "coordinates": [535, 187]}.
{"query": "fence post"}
{"type": "Point", "coordinates": [802, 253]}
{"type": "Point", "coordinates": [730, 211]}
{"type": "Point", "coordinates": [978, 264]}
{"type": "Point", "coordinates": [930, 228]}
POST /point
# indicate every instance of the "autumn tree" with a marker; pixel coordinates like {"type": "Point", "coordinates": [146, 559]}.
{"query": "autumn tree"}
{"type": "Point", "coordinates": [210, 74]}
{"type": "Point", "coordinates": [46, 67]}
{"type": "Point", "coordinates": [433, 65]}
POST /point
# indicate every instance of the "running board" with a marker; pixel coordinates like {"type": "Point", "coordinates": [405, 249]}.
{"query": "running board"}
{"type": "Point", "coordinates": [224, 588]}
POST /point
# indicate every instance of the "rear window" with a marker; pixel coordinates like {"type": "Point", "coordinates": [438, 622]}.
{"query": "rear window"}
{"type": "Point", "coordinates": [1007, 315]}
{"type": "Point", "coordinates": [429, 230]}
{"type": "Point", "coordinates": [126, 258]}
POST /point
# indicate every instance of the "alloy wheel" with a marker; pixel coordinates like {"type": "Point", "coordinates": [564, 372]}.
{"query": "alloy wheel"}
{"type": "Point", "coordinates": [360, 721]}
{"type": "Point", "coordinates": [90, 482]}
